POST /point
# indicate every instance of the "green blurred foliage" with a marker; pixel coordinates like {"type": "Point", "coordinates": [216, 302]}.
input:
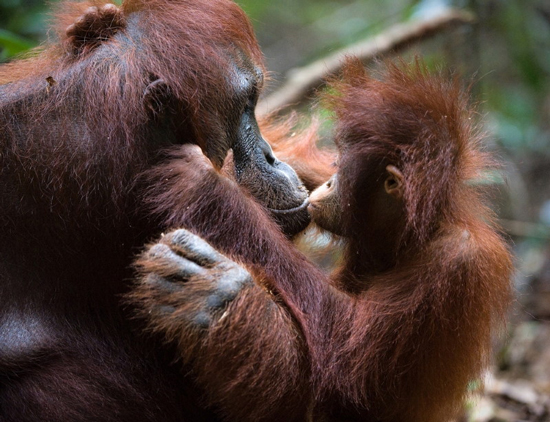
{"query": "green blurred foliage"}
{"type": "Point", "coordinates": [13, 44]}
{"type": "Point", "coordinates": [323, 25]}
{"type": "Point", "coordinates": [517, 53]}
{"type": "Point", "coordinates": [22, 26]}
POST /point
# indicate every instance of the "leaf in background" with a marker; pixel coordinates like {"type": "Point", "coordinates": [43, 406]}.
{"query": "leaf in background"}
{"type": "Point", "coordinates": [12, 44]}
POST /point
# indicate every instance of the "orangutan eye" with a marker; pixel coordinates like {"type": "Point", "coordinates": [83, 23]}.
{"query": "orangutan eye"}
{"type": "Point", "coordinates": [252, 101]}
{"type": "Point", "coordinates": [254, 96]}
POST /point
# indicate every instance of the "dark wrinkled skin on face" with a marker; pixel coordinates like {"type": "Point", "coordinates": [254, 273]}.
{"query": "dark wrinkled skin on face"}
{"type": "Point", "coordinates": [272, 182]}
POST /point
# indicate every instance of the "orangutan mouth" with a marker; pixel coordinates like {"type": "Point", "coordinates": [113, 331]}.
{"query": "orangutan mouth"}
{"type": "Point", "coordinates": [299, 208]}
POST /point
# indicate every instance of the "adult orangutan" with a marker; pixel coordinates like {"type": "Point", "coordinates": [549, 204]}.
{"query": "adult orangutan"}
{"type": "Point", "coordinates": [403, 325]}
{"type": "Point", "coordinates": [88, 123]}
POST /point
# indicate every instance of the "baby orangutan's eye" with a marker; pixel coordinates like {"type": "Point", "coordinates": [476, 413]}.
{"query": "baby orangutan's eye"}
{"type": "Point", "coordinates": [331, 182]}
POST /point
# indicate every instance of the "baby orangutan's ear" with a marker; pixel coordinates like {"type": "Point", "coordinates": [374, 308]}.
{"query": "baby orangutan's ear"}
{"type": "Point", "coordinates": [394, 183]}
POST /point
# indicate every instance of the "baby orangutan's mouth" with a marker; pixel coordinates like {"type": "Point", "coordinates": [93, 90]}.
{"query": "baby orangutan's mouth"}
{"type": "Point", "coordinates": [312, 206]}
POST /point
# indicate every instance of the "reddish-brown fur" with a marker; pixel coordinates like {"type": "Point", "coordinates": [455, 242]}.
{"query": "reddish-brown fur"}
{"type": "Point", "coordinates": [298, 147]}
{"type": "Point", "coordinates": [273, 379]}
{"type": "Point", "coordinates": [291, 347]}
{"type": "Point", "coordinates": [423, 326]}
{"type": "Point", "coordinates": [402, 328]}
{"type": "Point", "coordinates": [77, 141]}
{"type": "Point", "coordinates": [97, 25]}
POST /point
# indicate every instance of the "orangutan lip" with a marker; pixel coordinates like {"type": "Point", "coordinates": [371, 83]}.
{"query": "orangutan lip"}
{"type": "Point", "coordinates": [291, 210]}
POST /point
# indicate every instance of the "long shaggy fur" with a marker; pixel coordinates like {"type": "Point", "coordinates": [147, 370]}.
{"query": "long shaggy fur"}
{"type": "Point", "coordinates": [103, 91]}
{"type": "Point", "coordinates": [423, 329]}
{"type": "Point", "coordinates": [76, 142]}
{"type": "Point", "coordinates": [406, 343]}
{"type": "Point", "coordinates": [298, 147]}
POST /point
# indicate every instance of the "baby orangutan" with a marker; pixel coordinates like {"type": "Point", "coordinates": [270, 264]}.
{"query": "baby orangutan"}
{"type": "Point", "coordinates": [427, 272]}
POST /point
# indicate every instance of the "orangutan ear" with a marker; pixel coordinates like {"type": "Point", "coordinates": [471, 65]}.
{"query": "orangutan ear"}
{"type": "Point", "coordinates": [394, 183]}
{"type": "Point", "coordinates": [156, 96]}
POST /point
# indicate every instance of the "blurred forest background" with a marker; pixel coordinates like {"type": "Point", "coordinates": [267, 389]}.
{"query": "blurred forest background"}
{"type": "Point", "coordinates": [504, 47]}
